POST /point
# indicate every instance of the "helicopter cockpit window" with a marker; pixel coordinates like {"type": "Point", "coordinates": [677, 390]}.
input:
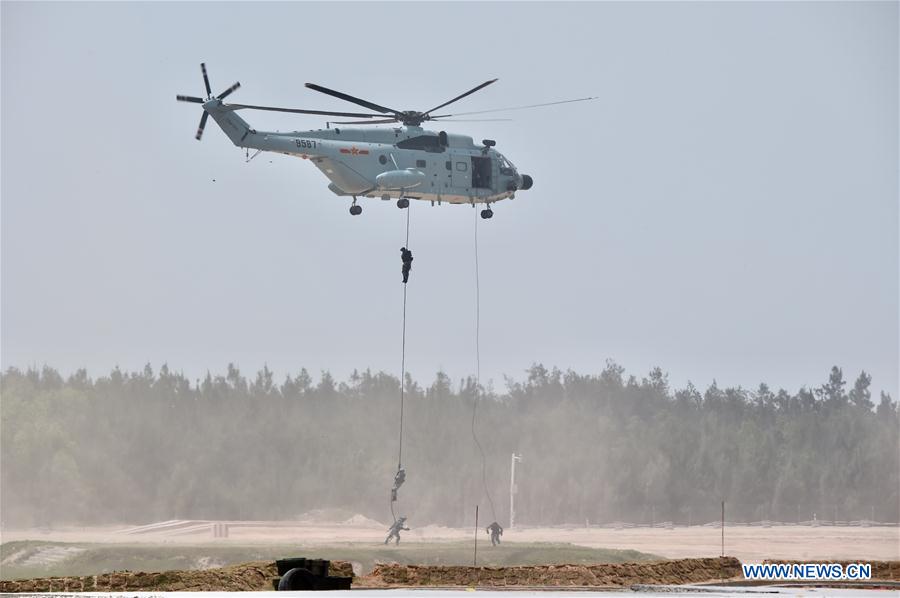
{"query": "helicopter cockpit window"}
{"type": "Point", "coordinates": [506, 166]}
{"type": "Point", "coordinates": [428, 143]}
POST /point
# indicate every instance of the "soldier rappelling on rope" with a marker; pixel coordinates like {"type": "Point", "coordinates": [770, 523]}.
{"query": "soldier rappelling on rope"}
{"type": "Point", "coordinates": [399, 478]}
{"type": "Point", "coordinates": [407, 258]}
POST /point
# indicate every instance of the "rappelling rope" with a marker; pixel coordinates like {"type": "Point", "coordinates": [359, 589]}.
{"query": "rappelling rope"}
{"type": "Point", "coordinates": [402, 375]}
{"type": "Point", "coordinates": [478, 373]}
{"type": "Point", "coordinates": [403, 355]}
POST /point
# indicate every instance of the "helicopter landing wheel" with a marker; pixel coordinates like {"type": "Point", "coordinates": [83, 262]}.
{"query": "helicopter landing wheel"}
{"type": "Point", "coordinates": [355, 210]}
{"type": "Point", "coordinates": [487, 213]}
{"type": "Point", "coordinates": [402, 203]}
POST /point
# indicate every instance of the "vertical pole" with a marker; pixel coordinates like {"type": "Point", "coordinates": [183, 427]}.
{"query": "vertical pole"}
{"type": "Point", "coordinates": [723, 528]}
{"type": "Point", "coordinates": [475, 558]}
{"type": "Point", "coordinates": [512, 491]}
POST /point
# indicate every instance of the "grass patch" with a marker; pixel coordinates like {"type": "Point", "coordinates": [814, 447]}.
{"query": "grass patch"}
{"type": "Point", "coordinates": [460, 553]}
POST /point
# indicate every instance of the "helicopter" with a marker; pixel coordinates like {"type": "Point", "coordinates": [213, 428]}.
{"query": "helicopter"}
{"type": "Point", "coordinates": [403, 162]}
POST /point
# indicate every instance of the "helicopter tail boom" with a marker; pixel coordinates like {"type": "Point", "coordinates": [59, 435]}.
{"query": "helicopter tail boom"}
{"type": "Point", "coordinates": [235, 127]}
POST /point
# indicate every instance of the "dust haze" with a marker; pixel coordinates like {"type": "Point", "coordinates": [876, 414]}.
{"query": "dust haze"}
{"type": "Point", "coordinates": [145, 446]}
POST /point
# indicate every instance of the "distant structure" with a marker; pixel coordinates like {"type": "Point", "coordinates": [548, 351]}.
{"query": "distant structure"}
{"type": "Point", "coordinates": [513, 489]}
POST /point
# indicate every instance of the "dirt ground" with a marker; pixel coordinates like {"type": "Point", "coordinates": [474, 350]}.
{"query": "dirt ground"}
{"type": "Point", "coordinates": [247, 577]}
{"type": "Point", "coordinates": [258, 576]}
{"type": "Point", "coordinates": [749, 544]}
{"type": "Point", "coordinates": [606, 575]}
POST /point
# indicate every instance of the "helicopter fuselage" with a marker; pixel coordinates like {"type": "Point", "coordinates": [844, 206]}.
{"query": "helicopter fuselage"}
{"type": "Point", "coordinates": [404, 161]}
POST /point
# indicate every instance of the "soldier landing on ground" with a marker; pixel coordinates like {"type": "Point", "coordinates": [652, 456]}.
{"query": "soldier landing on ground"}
{"type": "Point", "coordinates": [394, 532]}
{"type": "Point", "coordinates": [495, 531]}
{"type": "Point", "coordinates": [407, 258]}
{"type": "Point", "coordinates": [399, 478]}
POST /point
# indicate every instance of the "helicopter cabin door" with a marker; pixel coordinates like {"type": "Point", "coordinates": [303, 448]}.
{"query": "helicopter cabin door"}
{"type": "Point", "coordinates": [482, 172]}
{"type": "Point", "coordinates": [461, 171]}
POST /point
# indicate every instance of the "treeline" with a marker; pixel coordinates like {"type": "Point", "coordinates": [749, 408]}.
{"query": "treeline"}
{"type": "Point", "coordinates": [147, 446]}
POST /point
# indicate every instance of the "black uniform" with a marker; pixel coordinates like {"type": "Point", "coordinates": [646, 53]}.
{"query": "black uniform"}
{"type": "Point", "coordinates": [495, 531]}
{"type": "Point", "coordinates": [406, 256]}
{"type": "Point", "coordinates": [394, 532]}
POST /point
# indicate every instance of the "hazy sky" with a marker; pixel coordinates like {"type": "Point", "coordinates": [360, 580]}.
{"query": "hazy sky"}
{"type": "Point", "coordinates": [727, 209]}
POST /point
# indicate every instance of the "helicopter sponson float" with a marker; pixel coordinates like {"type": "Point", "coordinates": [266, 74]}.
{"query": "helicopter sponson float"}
{"type": "Point", "coordinates": [403, 162]}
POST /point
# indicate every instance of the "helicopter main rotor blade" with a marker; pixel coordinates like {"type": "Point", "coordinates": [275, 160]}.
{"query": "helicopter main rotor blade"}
{"type": "Point", "coordinates": [228, 91]}
{"type": "Point", "coordinates": [365, 122]}
{"type": "Point", "coordinates": [205, 80]}
{"type": "Point", "coordinates": [190, 99]}
{"type": "Point", "coordinates": [515, 108]}
{"type": "Point", "coordinates": [474, 120]}
{"type": "Point", "coordinates": [349, 98]}
{"type": "Point", "coordinates": [459, 97]}
{"type": "Point", "coordinates": [202, 124]}
{"type": "Point", "coordinates": [300, 111]}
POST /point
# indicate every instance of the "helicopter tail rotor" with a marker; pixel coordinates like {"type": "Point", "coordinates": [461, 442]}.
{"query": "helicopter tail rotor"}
{"type": "Point", "coordinates": [209, 98]}
{"type": "Point", "coordinates": [205, 79]}
{"type": "Point", "coordinates": [202, 125]}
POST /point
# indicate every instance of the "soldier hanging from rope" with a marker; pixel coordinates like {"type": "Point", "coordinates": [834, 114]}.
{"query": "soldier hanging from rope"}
{"type": "Point", "coordinates": [407, 258]}
{"type": "Point", "coordinates": [399, 478]}
{"type": "Point", "coordinates": [394, 531]}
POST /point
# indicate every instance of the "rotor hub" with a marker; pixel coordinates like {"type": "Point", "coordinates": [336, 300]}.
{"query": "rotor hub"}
{"type": "Point", "coordinates": [412, 118]}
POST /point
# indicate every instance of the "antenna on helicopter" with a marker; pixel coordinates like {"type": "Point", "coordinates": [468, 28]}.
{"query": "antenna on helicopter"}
{"type": "Point", "coordinates": [209, 96]}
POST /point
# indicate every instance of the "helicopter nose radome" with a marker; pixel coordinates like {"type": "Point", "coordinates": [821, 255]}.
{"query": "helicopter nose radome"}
{"type": "Point", "coordinates": [527, 182]}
